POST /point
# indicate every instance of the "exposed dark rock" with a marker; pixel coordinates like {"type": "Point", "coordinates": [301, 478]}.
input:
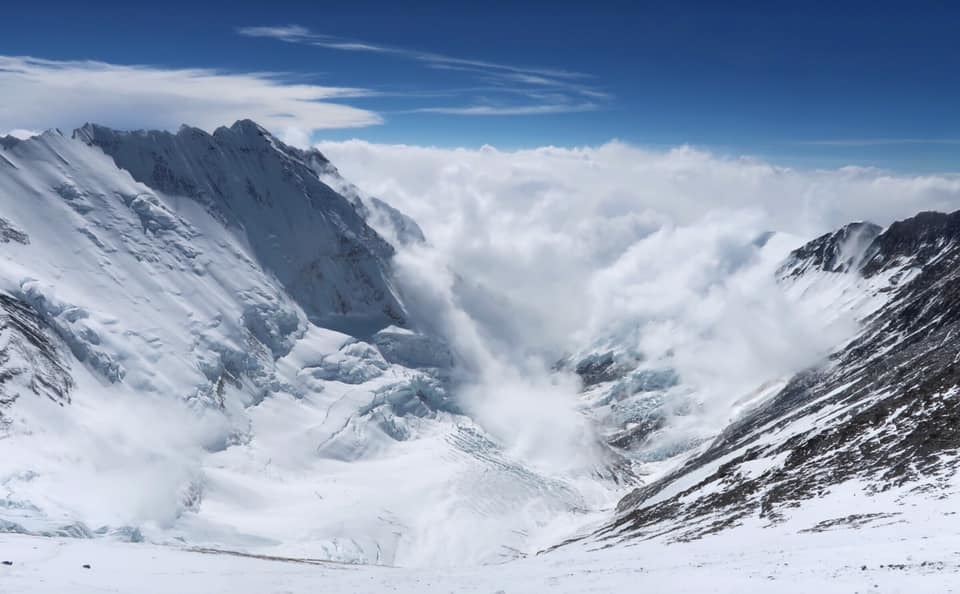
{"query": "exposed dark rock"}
{"type": "Point", "coordinates": [30, 359]}
{"type": "Point", "coordinates": [638, 434]}
{"type": "Point", "coordinates": [8, 233]}
{"type": "Point", "coordinates": [604, 367]}
{"type": "Point", "coordinates": [916, 240]}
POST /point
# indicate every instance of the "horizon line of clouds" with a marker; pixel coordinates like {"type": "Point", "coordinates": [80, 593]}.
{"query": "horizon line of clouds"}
{"type": "Point", "coordinates": [530, 81]}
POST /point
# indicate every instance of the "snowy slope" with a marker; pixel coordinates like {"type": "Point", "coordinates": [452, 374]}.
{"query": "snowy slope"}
{"type": "Point", "coordinates": [900, 555]}
{"type": "Point", "coordinates": [876, 421]}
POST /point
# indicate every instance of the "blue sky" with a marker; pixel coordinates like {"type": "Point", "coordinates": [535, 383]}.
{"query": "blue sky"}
{"type": "Point", "coordinates": [809, 84]}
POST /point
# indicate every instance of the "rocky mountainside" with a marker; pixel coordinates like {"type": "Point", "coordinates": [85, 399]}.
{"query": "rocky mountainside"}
{"type": "Point", "coordinates": [30, 359]}
{"type": "Point", "coordinates": [879, 418]}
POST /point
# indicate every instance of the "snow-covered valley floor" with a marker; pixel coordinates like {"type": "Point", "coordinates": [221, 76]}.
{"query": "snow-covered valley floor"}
{"type": "Point", "coordinates": [895, 541]}
{"type": "Point", "coordinates": [884, 559]}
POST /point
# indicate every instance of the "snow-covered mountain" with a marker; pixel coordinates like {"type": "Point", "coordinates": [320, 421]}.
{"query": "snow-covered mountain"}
{"type": "Point", "coordinates": [313, 240]}
{"type": "Point", "coordinates": [205, 342]}
{"type": "Point", "coordinates": [861, 438]}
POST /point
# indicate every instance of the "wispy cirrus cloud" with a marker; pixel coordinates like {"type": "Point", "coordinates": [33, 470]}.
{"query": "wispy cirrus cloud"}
{"type": "Point", "coordinates": [506, 110]}
{"type": "Point", "coordinates": [570, 91]}
{"type": "Point", "coordinates": [850, 142]}
{"type": "Point", "coordinates": [298, 34]}
{"type": "Point", "coordinates": [137, 96]}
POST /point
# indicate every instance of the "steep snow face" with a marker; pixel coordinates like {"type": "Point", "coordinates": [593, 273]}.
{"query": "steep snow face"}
{"type": "Point", "coordinates": [312, 238]}
{"type": "Point", "coordinates": [155, 310]}
{"type": "Point", "coordinates": [145, 289]}
{"type": "Point", "coordinates": [163, 375]}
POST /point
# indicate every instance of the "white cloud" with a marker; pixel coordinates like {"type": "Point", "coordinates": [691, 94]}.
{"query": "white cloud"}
{"type": "Point", "coordinates": [500, 110]}
{"type": "Point", "coordinates": [289, 33]}
{"type": "Point", "coordinates": [564, 194]}
{"type": "Point", "coordinates": [21, 133]}
{"type": "Point", "coordinates": [561, 248]}
{"type": "Point", "coordinates": [298, 34]}
{"type": "Point", "coordinates": [42, 94]}
{"type": "Point", "coordinates": [881, 141]}
{"type": "Point", "coordinates": [567, 85]}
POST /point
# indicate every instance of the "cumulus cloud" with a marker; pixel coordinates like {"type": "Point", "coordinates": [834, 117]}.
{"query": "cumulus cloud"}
{"type": "Point", "coordinates": [43, 94]}
{"type": "Point", "coordinates": [567, 191]}
{"type": "Point", "coordinates": [561, 250]}
{"type": "Point", "coordinates": [538, 225]}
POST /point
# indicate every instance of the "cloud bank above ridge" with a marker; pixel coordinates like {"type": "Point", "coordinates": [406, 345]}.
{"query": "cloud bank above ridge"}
{"type": "Point", "coordinates": [544, 225]}
{"type": "Point", "coordinates": [561, 250]}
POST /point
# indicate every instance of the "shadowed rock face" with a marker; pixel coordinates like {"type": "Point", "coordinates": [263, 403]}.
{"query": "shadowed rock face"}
{"type": "Point", "coordinates": [311, 237]}
{"type": "Point", "coordinates": [29, 359]}
{"type": "Point", "coordinates": [914, 241]}
{"type": "Point", "coordinates": [8, 233]}
{"type": "Point", "coordinates": [884, 410]}
{"type": "Point", "coordinates": [603, 367]}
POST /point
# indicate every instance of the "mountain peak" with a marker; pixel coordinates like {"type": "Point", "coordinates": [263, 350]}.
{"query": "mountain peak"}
{"type": "Point", "coordinates": [915, 240]}
{"type": "Point", "coordinates": [248, 126]}
{"type": "Point", "coordinates": [244, 128]}
{"type": "Point", "coordinates": [312, 237]}
{"type": "Point", "coordinates": [247, 131]}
